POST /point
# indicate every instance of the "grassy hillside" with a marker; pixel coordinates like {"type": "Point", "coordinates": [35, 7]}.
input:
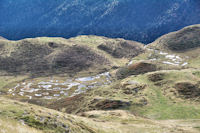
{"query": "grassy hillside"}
{"type": "Point", "coordinates": [58, 55]}
{"type": "Point", "coordinates": [182, 40]}
{"type": "Point", "coordinates": [164, 84]}
{"type": "Point", "coordinates": [156, 95]}
{"type": "Point", "coordinates": [22, 117]}
{"type": "Point", "coordinates": [118, 85]}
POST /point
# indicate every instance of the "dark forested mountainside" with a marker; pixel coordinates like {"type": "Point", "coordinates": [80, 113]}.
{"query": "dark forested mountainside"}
{"type": "Point", "coordinates": [137, 20]}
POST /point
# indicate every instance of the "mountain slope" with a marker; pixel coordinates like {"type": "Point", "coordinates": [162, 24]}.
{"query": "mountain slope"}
{"type": "Point", "coordinates": [180, 48]}
{"type": "Point", "coordinates": [134, 20]}
{"type": "Point", "coordinates": [36, 119]}
{"type": "Point", "coordinates": [159, 80]}
{"type": "Point", "coordinates": [58, 55]}
{"type": "Point", "coordinates": [156, 91]}
{"type": "Point", "coordinates": [182, 40]}
{"type": "Point", "coordinates": [162, 83]}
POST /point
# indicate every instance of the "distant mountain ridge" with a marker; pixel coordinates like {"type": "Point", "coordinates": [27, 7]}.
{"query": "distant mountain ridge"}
{"type": "Point", "coordinates": [130, 19]}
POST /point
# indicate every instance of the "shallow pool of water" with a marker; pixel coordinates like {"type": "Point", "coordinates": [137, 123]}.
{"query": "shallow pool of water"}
{"type": "Point", "coordinates": [54, 88]}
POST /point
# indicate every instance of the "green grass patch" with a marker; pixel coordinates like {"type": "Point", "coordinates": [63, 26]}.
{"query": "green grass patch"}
{"type": "Point", "coordinates": [161, 107]}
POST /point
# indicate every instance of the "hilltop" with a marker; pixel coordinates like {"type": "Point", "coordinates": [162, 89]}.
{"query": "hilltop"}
{"type": "Point", "coordinates": [182, 40]}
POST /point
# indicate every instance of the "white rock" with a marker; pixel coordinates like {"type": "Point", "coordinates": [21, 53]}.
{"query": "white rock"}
{"type": "Point", "coordinates": [170, 56]}
{"type": "Point", "coordinates": [38, 95]}
{"type": "Point", "coordinates": [84, 79]}
{"type": "Point", "coordinates": [17, 86]}
{"type": "Point", "coordinates": [48, 97]}
{"type": "Point", "coordinates": [184, 64]}
{"type": "Point", "coordinates": [46, 86]}
{"type": "Point", "coordinates": [45, 93]}
{"type": "Point", "coordinates": [154, 59]}
{"type": "Point", "coordinates": [130, 63]}
{"type": "Point", "coordinates": [56, 95]}
{"type": "Point", "coordinates": [169, 63]}
{"type": "Point", "coordinates": [163, 53]}
{"type": "Point", "coordinates": [62, 92]}
{"type": "Point", "coordinates": [30, 97]}
{"type": "Point", "coordinates": [21, 93]}
{"type": "Point", "coordinates": [72, 85]}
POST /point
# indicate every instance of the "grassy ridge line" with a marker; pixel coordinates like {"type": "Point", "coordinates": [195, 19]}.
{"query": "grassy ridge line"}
{"type": "Point", "coordinates": [71, 56]}
{"type": "Point", "coordinates": [179, 41]}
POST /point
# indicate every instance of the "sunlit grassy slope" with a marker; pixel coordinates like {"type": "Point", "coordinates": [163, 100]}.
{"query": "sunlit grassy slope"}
{"type": "Point", "coordinates": [23, 117]}
{"type": "Point", "coordinates": [159, 90]}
